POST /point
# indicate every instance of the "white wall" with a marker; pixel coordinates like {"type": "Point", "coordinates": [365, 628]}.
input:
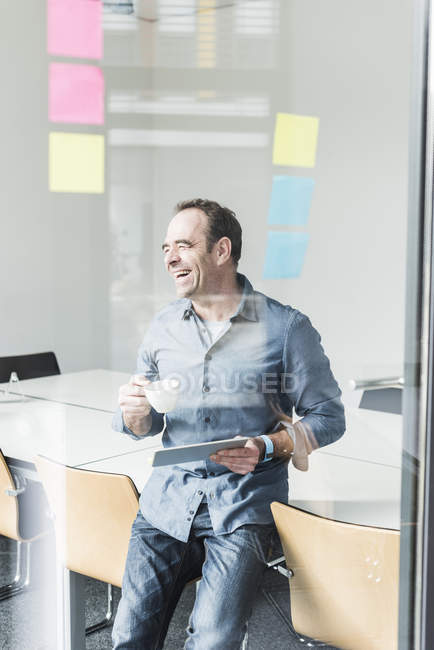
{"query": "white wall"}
{"type": "Point", "coordinates": [82, 275]}
{"type": "Point", "coordinates": [54, 248]}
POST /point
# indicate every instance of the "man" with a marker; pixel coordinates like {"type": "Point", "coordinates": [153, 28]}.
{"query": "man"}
{"type": "Point", "coordinates": [244, 361]}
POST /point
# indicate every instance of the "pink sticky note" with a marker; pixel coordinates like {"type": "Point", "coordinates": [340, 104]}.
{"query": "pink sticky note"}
{"type": "Point", "coordinates": [76, 93]}
{"type": "Point", "coordinates": [74, 28]}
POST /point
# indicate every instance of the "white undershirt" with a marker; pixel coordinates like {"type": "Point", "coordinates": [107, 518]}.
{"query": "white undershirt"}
{"type": "Point", "coordinates": [215, 328]}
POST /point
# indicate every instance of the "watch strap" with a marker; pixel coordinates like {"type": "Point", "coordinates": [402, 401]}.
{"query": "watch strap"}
{"type": "Point", "coordinates": [269, 448]}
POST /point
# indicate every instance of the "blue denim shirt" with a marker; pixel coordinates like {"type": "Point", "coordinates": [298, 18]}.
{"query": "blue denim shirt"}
{"type": "Point", "coordinates": [268, 352]}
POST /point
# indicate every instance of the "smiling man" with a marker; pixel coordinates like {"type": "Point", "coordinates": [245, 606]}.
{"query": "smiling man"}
{"type": "Point", "coordinates": [244, 362]}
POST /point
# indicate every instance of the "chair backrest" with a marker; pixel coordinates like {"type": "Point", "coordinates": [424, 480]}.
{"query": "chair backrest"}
{"type": "Point", "coordinates": [93, 514]}
{"type": "Point", "coordinates": [9, 525]}
{"type": "Point", "coordinates": [345, 585]}
{"type": "Point", "coordinates": [29, 366]}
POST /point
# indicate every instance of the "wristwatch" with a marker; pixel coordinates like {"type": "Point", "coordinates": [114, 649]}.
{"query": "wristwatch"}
{"type": "Point", "coordinates": [269, 448]}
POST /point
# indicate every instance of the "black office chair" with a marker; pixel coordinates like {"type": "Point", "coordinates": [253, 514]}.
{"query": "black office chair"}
{"type": "Point", "coordinates": [29, 366]}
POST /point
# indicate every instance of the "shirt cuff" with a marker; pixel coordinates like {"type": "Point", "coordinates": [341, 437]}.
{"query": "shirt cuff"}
{"type": "Point", "coordinates": [157, 425]}
{"type": "Point", "coordinates": [303, 440]}
{"type": "Point", "coordinates": [290, 429]}
{"type": "Point", "coordinates": [305, 443]}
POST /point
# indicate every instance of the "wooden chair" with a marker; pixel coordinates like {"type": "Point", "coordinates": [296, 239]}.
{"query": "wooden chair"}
{"type": "Point", "coordinates": [26, 366]}
{"type": "Point", "coordinates": [343, 579]}
{"type": "Point", "coordinates": [93, 514]}
{"type": "Point", "coordinates": [12, 488]}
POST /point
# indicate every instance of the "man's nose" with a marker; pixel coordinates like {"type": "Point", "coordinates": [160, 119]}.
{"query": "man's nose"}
{"type": "Point", "coordinates": [173, 257]}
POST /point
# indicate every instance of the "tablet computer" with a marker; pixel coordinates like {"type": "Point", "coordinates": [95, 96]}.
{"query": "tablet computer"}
{"type": "Point", "coordinates": [198, 451]}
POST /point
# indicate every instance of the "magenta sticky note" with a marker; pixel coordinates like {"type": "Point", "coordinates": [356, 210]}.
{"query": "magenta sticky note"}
{"type": "Point", "coordinates": [74, 28]}
{"type": "Point", "coordinates": [76, 93]}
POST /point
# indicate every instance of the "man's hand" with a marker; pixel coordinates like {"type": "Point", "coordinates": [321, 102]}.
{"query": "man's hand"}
{"type": "Point", "coordinates": [134, 405]}
{"type": "Point", "coordinates": [241, 460]}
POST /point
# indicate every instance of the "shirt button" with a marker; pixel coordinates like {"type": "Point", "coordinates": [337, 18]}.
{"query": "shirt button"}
{"type": "Point", "coordinates": [208, 357]}
{"type": "Point", "coordinates": [199, 492]}
{"type": "Point", "coordinates": [188, 518]}
{"type": "Point", "coordinates": [211, 495]}
{"type": "Point", "coordinates": [207, 419]}
{"type": "Point", "coordinates": [205, 389]}
{"type": "Point", "coordinates": [192, 512]}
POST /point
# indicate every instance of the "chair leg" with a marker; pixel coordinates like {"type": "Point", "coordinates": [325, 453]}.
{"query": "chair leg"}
{"type": "Point", "coordinates": [26, 583]}
{"type": "Point", "coordinates": [107, 620]}
{"type": "Point", "coordinates": [310, 643]}
{"type": "Point", "coordinates": [19, 583]}
{"type": "Point", "coordinates": [274, 604]}
{"type": "Point", "coordinates": [245, 643]}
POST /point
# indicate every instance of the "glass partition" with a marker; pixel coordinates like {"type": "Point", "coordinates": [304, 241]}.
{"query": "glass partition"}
{"type": "Point", "coordinates": [297, 115]}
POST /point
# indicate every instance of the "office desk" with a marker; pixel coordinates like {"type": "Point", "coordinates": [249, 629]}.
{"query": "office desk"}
{"type": "Point", "coordinates": [71, 435]}
{"type": "Point", "coordinates": [93, 389]}
{"type": "Point", "coordinates": [69, 416]}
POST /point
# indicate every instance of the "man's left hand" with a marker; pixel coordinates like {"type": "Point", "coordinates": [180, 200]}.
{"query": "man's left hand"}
{"type": "Point", "coordinates": [241, 460]}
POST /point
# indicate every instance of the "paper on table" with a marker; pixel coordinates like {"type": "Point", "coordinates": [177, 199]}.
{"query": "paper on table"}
{"type": "Point", "coordinates": [76, 93]}
{"type": "Point", "coordinates": [295, 140]}
{"type": "Point", "coordinates": [285, 254]}
{"type": "Point", "coordinates": [290, 201]}
{"type": "Point", "coordinates": [74, 28]}
{"type": "Point", "coordinates": [76, 163]}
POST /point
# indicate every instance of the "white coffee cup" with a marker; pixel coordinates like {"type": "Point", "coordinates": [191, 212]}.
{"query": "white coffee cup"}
{"type": "Point", "coordinates": [163, 395]}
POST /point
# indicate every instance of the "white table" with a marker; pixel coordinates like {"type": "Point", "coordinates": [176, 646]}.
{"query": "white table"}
{"type": "Point", "coordinates": [67, 434]}
{"type": "Point", "coordinates": [93, 389]}
{"type": "Point", "coordinates": [336, 487]}
{"type": "Point", "coordinates": [68, 418]}
{"type": "Point", "coordinates": [136, 465]}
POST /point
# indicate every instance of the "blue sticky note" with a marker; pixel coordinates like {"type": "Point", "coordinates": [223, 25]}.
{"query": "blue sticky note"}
{"type": "Point", "coordinates": [285, 254]}
{"type": "Point", "coordinates": [290, 201]}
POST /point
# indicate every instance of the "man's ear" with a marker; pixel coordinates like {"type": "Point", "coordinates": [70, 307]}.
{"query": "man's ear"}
{"type": "Point", "coordinates": [223, 249]}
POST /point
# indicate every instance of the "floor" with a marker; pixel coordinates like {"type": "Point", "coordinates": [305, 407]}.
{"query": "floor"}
{"type": "Point", "coordinates": [25, 620]}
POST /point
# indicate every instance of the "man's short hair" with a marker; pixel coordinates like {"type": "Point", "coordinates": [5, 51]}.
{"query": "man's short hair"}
{"type": "Point", "coordinates": [222, 222]}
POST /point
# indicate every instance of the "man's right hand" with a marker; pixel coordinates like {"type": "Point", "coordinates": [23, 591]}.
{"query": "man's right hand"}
{"type": "Point", "coordinates": [134, 405]}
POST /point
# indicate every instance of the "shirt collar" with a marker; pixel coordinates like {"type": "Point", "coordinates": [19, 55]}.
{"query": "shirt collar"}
{"type": "Point", "coordinates": [246, 308]}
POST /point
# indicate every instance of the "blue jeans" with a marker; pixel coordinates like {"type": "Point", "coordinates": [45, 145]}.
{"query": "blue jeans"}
{"type": "Point", "coordinates": [157, 568]}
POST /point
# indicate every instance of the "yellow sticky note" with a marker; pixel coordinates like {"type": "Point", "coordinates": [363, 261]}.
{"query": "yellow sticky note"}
{"type": "Point", "coordinates": [76, 163]}
{"type": "Point", "coordinates": [295, 140]}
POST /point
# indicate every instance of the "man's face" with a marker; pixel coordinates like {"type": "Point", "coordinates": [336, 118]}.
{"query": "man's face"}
{"type": "Point", "coordinates": [185, 253]}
